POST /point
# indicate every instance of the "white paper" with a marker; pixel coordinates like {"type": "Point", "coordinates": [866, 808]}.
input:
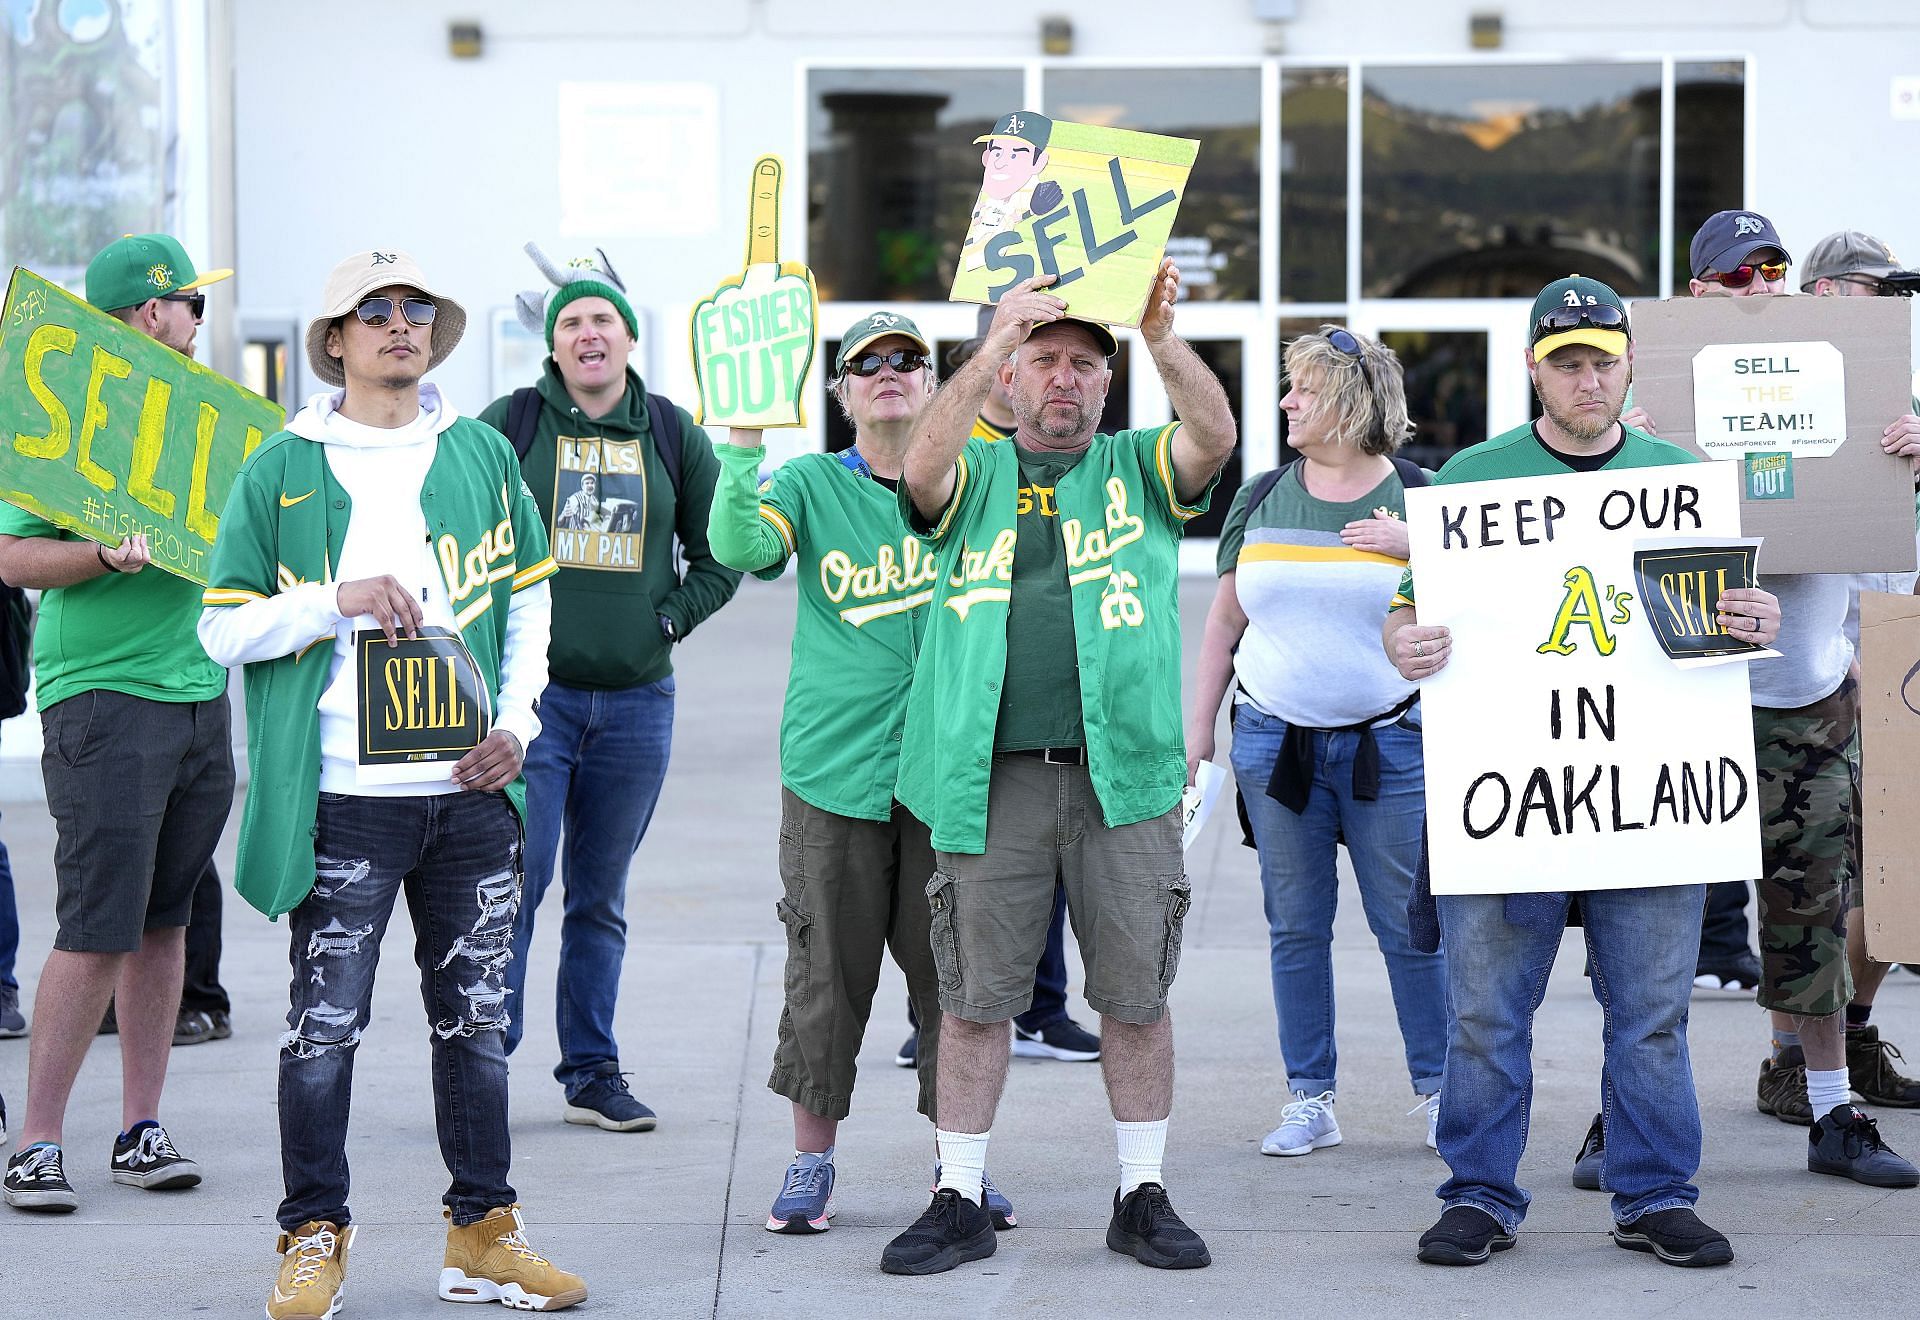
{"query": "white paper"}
{"type": "Point", "coordinates": [1197, 799]}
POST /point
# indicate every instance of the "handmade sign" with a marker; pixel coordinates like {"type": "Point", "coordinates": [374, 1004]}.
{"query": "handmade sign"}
{"type": "Point", "coordinates": [1795, 392]}
{"type": "Point", "coordinates": [753, 340]}
{"type": "Point", "coordinates": [112, 433]}
{"type": "Point", "coordinates": [1890, 773]}
{"type": "Point", "coordinates": [1093, 206]}
{"type": "Point", "coordinates": [1681, 579]}
{"type": "Point", "coordinates": [422, 704]}
{"type": "Point", "coordinates": [1564, 750]}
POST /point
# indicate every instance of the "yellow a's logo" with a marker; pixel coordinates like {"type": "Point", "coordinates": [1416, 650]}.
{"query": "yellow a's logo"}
{"type": "Point", "coordinates": [160, 275]}
{"type": "Point", "coordinates": [1581, 605]}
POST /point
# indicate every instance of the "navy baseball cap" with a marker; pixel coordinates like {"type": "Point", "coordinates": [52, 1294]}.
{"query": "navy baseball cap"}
{"type": "Point", "coordinates": [1728, 238]}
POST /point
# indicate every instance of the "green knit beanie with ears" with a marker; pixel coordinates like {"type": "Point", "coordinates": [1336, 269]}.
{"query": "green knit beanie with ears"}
{"type": "Point", "coordinates": [589, 288]}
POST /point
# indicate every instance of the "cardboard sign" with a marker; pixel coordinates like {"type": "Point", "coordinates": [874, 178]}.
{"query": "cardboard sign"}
{"type": "Point", "coordinates": [114, 433]}
{"type": "Point", "coordinates": [422, 705]}
{"type": "Point", "coordinates": [1837, 503]}
{"type": "Point", "coordinates": [1681, 580]}
{"type": "Point", "coordinates": [1564, 750]}
{"type": "Point", "coordinates": [1890, 773]}
{"type": "Point", "coordinates": [753, 340]}
{"type": "Point", "coordinates": [1093, 206]}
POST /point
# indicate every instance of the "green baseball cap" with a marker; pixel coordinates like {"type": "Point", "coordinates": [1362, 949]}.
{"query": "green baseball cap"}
{"type": "Point", "coordinates": [878, 325]}
{"type": "Point", "coordinates": [132, 269]}
{"type": "Point", "coordinates": [1578, 310]}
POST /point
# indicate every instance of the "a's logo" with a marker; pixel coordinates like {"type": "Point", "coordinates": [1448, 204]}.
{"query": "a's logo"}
{"type": "Point", "coordinates": [885, 318]}
{"type": "Point", "coordinates": [288, 503]}
{"type": "Point", "coordinates": [385, 258]}
{"type": "Point", "coordinates": [1746, 224]}
{"type": "Point", "coordinates": [581, 263]}
{"type": "Point", "coordinates": [160, 275]}
{"type": "Point", "coordinates": [1015, 124]}
{"type": "Point", "coordinates": [1572, 299]}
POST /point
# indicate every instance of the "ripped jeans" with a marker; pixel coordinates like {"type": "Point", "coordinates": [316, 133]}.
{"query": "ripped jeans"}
{"type": "Point", "coordinates": [457, 856]}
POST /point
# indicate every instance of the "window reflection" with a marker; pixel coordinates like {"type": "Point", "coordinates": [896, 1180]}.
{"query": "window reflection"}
{"type": "Point", "coordinates": [1313, 185]}
{"type": "Point", "coordinates": [1446, 381]}
{"type": "Point", "coordinates": [1709, 136]}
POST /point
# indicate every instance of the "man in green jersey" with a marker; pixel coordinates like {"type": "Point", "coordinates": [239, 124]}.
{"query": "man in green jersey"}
{"type": "Point", "coordinates": [1044, 733]}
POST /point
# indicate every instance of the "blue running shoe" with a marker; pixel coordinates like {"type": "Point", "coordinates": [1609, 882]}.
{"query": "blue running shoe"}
{"type": "Point", "coordinates": [805, 1203]}
{"type": "Point", "coordinates": [604, 1102]}
{"type": "Point", "coordinates": [999, 1208]}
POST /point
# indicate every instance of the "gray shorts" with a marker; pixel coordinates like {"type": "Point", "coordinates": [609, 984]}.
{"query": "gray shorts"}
{"type": "Point", "coordinates": [1127, 895]}
{"type": "Point", "coordinates": [139, 791]}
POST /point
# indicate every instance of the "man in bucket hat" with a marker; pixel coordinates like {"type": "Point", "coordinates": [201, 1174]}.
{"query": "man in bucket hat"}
{"type": "Point", "coordinates": [380, 521]}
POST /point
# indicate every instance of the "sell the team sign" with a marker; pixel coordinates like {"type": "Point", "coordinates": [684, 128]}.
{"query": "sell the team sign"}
{"type": "Point", "coordinates": [113, 433]}
{"type": "Point", "coordinates": [1092, 206]}
{"type": "Point", "coordinates": [422, 703]}
{"type": "Point", "coordinates": [1564, 750]}
{"type": "Point", "coordinates": [1763, 398]}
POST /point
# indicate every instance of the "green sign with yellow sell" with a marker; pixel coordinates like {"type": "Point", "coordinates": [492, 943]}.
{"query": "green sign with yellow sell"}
{"type": "Point", "coordinates": [106, 432]}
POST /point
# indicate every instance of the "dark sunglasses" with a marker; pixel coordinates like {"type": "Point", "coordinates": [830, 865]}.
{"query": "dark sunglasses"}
{"type": "Point", "coordinates": [1741, 276]}
{"type": "Point", "coordinates": [1881, 288]}
{"type": "Point", "coordinates": [1346, 342]}
{"type": "Point", "coordinates": [902, 360]}
{"type": "Point", "coordinates": [196, 302]}
{"type": "Point", "coordinates": [378, 310]}
{"type": "Point", "coordinates": [1561, 319]}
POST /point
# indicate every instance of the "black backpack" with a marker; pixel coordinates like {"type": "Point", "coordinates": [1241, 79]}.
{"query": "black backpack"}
{"type": "Point", "coordinates": [16, 650]}
{"type": "Point", "coordinates": [1411, 475]}
{"type": "Point", "coordinates": [523, 419]}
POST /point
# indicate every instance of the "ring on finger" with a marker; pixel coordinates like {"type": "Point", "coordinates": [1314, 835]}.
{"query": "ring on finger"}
{"type": "Point", "coordinates": [1419, 648]}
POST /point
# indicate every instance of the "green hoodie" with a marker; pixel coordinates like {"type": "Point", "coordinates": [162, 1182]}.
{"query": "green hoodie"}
{"type": "Point", "coordinates": [617, 570]}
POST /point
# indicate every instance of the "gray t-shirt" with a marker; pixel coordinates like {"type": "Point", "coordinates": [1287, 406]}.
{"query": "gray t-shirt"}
{"type": "Point", "coordinates": [1813, 645]}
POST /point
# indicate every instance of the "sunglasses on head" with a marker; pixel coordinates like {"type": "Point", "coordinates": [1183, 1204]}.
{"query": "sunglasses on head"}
{"type": "Point", "coordinates": [902, 360]}
{"type": "Point", "coordinates": [196, 302]}
{"type": "Point", "coordinates": [1346, 342]}
{"type": "Point", "coordinates": [378, 310]}
{"type": "Point", "coordinates": [1561, 319]}
{"type": "Point", "coordinates": [1741, 276]}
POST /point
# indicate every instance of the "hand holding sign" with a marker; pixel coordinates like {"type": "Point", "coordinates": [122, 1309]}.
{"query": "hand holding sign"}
{"type": "Point", "coordinates": [753, 339]}
{"type": "Point", "coordinates": [1027, 304]}
{"type": "Point", "coordinates": [1156, 322]}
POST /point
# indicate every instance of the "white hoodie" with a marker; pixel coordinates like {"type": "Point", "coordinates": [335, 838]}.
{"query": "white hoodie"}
{"type": "Point", "coordinates": [382, 472]}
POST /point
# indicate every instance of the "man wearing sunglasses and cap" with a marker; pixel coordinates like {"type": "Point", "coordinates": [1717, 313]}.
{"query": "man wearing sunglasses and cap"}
{"type": "Point", "coordinates": [381, 514]}
{"type": "Point", "coordinates": [139, 774]}
{"type": "Point", "coordinates": [1642, 941]}
{"type": "Point", "coordinates": [1044, 737]}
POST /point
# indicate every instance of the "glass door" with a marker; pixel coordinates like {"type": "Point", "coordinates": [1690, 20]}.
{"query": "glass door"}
{"type": "Point", "coordinates": [1464, 365]}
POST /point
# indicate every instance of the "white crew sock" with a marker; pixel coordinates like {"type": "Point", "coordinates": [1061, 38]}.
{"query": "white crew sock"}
{"type": "Point", "coordinates": [1142, 1147]}
{"type": "Point", "coordinates": [1826, 1090]}
{"type": "Point", "coordinates": [963, 1161]}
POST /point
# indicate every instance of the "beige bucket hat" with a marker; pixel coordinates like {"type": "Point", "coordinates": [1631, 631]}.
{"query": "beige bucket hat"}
{"type": "Point", "coordinates": [358, 276]}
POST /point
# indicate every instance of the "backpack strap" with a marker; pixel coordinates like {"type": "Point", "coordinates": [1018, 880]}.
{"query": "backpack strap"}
{"type": "Point", "coordinates": [1411, 473]}
{"type": "Point", "coordinates": [523, 419]}
{"type": "Point", "coordinates": [665, 420]}
{"type": "Point", "coordinates": [1262, 487]}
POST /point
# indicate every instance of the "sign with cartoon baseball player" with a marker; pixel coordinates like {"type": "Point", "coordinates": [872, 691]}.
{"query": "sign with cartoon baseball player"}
{"type": "Point", "coordinates": [753, 340]}
{"type": "Point", "coordinates": [112, 433]}
{"type": "Point", "coordinates": [1092, 206]}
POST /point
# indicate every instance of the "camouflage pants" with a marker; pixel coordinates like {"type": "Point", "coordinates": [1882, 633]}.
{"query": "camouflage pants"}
{"type": "Point", "coordinates": [1805, 759]}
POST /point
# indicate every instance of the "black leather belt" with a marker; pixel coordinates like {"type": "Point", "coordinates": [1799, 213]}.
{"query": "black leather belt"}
{"type": "Point", "coordinates": [1054, 755]}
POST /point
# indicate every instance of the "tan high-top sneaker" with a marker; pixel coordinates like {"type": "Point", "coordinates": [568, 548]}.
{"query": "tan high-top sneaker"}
{"type": "Point", "coordinates": [313, 1272]}
{"type": "Point", "coordinates": [490, 1261]}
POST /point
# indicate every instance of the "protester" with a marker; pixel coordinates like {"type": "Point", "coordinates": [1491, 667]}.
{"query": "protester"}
{"type": "Point", "coordinates": [620, 476]}
{"type": "Point", "coordinates": [380, 507]}
{"type": "Point", "coordinates": [1326, 736]}
{"type": "Point", "coordinates": [1043, 734]}
{"type": "Point", "coordinates": [139, 778]}
{"type": "Point", "coordinates": [16, 675]}
{"type": "Point", "coordinates": [1641, 942]}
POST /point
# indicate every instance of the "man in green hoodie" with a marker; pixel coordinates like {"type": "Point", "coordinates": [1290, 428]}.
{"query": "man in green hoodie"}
{"type": "Point", "coordinates": [614, 504]}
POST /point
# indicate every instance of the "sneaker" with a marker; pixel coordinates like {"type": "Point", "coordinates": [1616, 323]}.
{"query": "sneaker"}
{"type": "Point", "coordinates": [1065, 1040]}
{"type": "Point", "coordinates": [908, 1055]}
{"type": "Point", "coordinates": [1783, 1088]}
{"type": "Point", "coordinates": [3, 1122]}
{"type": "Point", "coordinates": [13, 1022]}
{"type": "Point", "coordinates": [1306, 1125]}
{"type": "Point", "coordinates": [192, 1027]}
{"type": "Point", "coordinates": [1430, 1104]}
{"type": "Point", "coordinates": [805, 1203]}
{"type": "Point", "coordinates": [1145, 1227]}
{"type": "Point", "coordinates": [313, 1271]}
{"type": "Point", "coordinates": [35, 1181]}
{"type": "Point", "coordinates": [222, 1023]}
{"type": "Point", "coordinates": [604, 1102]}
{"type": "Point", "coordinates": [490, 1261]}
{"type": "Point", "coordinates": [1741, 977]}
{"type": "Point", "coordinates": [951, 1231]}
{"type": "Point", "coordinates": [998, 1206]}
{"type": "Point", "coordinates": [1677, 1237]}
{"type": "Point", "coordinates": [1464, 1235]}
{"type": "Point", "coordinates": [1870, 1071]}
{"type": "Point", "coordinates": [145, 1158]}
{"type": "Point", "coordinates": [1592, 1158]}
{"type": "Point", "coordinates": [1847, 1143]}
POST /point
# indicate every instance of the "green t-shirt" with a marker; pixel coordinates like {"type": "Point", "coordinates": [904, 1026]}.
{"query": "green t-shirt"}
{"type": "Point", "coordinates": [1040, 697]}
{"type": "Point", "coordinates": [124, 632]}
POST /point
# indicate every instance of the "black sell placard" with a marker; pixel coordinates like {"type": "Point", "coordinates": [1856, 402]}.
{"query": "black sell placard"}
{"type": "Point", "coordinates": [421, 701]}
{"type": "Point", "coordinates": [1680, 587]}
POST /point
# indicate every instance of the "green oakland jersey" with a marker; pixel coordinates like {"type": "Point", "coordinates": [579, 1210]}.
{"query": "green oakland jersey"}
{"type": "Point", "coordinates": [865, 590]}
{"type": "Point", "coordinates": [1039, 701]}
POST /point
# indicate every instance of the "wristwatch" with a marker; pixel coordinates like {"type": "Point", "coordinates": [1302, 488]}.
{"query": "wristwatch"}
{"type": "Point", "coordinates": [668, 631]}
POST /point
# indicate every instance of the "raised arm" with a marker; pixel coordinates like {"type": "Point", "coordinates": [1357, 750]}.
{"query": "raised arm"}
{"type": "Point", "coordinates": [1207, 433]}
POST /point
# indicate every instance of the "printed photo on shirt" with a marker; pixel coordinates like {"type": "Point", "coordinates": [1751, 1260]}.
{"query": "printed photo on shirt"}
{"type": "Point", "coordinates": [599, 503]}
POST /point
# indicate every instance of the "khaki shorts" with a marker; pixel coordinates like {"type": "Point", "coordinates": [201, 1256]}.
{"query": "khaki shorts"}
{"type": "Point", "coordinates": [1127, 895]}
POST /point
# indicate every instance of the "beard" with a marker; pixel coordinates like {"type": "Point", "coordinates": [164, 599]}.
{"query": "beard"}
{"type": "Point", "coordinates": [1045, 420]}
{"type": "Point", "coordinates": [1585, 426]}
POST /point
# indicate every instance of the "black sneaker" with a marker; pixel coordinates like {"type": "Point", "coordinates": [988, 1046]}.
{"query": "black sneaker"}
{"type": "Point", "coordinates": [1464, 1235]}
{"type": "Point", "coordinates": [12, 1021]}
{"type": "Point", "coordinates": [1783, 1088]}
{"type": "Point", "coordinates": [1592, 1157]}
{"type": "Point", "coordinates": [145, 1158]}
{"type": "Point", "coordinates": [1677, 1237]}
{"type": "Point", "coordinates": [35, 1181]}
{"type": "Point", "coordinates": [192, 1027]}
{"type": "Point", "coordinates": [1847, 1143]}
{"type": "Point", "coordinates": [952, 1231]}
{"type": "Point", "coordinates": [1145, 1227]}
{"type": "Point", "coordinates": [1065, 1040]}
{"type": "Point", "coordinates": [606, 1103]}
{"type": "Point", "coordinates": [1870, 1070]}
{"type": "Point", "coordinates": [908, 1056]}
{"type": "Point", "coordinates": [222, 1023]}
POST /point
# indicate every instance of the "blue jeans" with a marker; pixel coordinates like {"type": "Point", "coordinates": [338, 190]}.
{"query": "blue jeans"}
{"type": "Point", "coordinates": [9, 923]}
{"type": "Point", "coordinates": [1301, 888]}
{"type": "Point", "coordinates": [596, 767]}
{"type": "Point", "coordinates": [458, 858]}
{"type": "Point", "coordinates": [1641, 944]}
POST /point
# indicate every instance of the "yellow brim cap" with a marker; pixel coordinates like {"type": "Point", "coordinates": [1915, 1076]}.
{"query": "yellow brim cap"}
{"type": "Point", "coordinates": [1607, 341]}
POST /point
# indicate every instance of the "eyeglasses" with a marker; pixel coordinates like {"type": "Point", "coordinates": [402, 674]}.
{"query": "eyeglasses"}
{"type": "Point", "coordinates": [378, 310]}
{"type": "Point", "coordinates": [902, 360]}
{"type": "Point", "coordinates": [1599, 316]}
{"type": "Point", "coordinates": [1346, 342]}
{"type": "Point", "coordinates": [1741, 276]}
{"type": "Point", "coordinates": [196, 302]}
{"type": "Point", "coordinates": [1881, 288]}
